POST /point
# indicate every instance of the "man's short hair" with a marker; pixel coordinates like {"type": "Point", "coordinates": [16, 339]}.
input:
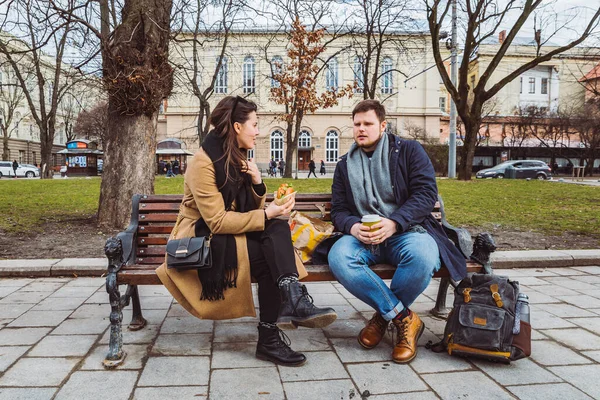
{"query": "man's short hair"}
{"type": "Point", "coordinates": [368, 105]}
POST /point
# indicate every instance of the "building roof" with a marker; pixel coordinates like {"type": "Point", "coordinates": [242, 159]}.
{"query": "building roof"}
{"type": "Point", "coordinates": [174, 151]}
{"type": "Point", "coordinates": [593, 74]}
{"type": "Point", "coordinates": [80, 151]}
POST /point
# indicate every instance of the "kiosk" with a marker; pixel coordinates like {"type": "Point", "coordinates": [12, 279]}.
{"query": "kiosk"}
{"type": "Point", "coordinates": [171, 150]}
{"type": "Point", "coordinates": [81, 157]}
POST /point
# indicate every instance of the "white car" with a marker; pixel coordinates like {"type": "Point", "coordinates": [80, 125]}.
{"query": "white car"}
{"type": "Point", "coordinates": [26, 170]}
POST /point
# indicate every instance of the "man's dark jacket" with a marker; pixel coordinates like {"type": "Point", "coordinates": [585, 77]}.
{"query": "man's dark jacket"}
{"type": "Point", "coordinates": [413, 181]}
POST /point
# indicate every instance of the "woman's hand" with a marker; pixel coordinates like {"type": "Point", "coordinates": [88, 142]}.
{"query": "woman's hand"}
{"type": "Point", "coordinates": [274, 211]}
{"type": "Point", "coordinates": [251, 169]}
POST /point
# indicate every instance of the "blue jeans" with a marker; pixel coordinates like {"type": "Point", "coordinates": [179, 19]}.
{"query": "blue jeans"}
{"type": "Point", "coordinates": [416, 255]}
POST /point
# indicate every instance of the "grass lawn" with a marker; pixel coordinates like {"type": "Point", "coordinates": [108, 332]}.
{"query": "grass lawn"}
{"type": "Point", "coordinates": [548, 207]}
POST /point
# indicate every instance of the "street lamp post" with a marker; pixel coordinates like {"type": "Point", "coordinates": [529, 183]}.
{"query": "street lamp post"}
{"type": "Point", "coordinates": [453, 75]}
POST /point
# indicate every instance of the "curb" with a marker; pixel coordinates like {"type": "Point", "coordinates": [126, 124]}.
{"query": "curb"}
{"type": "Point", "coordinates": [74, 267]}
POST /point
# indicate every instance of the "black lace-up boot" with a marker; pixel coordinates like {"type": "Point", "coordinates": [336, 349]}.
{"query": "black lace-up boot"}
{"type": "Point", "coordinates": [273, 345]}
{"type": "Point", "coordinates": [297, 308]}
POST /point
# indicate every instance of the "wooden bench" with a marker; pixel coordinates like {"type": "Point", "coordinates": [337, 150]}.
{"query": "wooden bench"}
{"type": "Point", "coordinates": [133, 256]}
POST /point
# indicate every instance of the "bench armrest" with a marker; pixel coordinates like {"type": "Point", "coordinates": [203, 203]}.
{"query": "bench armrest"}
{"type": "Point", "coordinates": [461, 238]}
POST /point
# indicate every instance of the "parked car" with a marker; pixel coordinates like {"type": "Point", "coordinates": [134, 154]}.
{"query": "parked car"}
{"type": "Point", "coordinates": [522, 169]}
{"type": "Point", "coordinates": [26, 170]}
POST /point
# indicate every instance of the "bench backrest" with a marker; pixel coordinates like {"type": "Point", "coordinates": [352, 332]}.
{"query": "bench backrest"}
{"type": "Point", "coordinates": [155, 217]}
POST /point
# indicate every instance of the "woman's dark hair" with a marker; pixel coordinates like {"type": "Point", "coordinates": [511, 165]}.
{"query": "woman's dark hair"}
{"type": "Point", "coordinates": [230, 110]}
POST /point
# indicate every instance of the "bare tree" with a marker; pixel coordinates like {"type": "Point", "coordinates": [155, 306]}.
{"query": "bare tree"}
{"type": "Point", "coordinates": [44, 79]}
{"type": "Point", "coordinates": [11, 99]}
{"type": "Point", "coordinates": [482, 19]}
{"type": "Point", "coordinates": [91, 125]}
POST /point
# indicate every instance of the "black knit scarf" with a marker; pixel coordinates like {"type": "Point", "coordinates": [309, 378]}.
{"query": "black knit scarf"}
{"type": "Point", "coordinates": [223, 273]}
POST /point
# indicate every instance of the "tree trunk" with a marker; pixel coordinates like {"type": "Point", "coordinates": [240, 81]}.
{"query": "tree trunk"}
{"type": "Point", "coordinates": [4, 145]}
{"type": "Point", "coordinates": [46, 144]}
{"type": "Point", "coordinates": [290, 150]}
{"type": "Point", "coordinates": [467, 151]}
{"type": "Point", "coordinates": [128, 168]}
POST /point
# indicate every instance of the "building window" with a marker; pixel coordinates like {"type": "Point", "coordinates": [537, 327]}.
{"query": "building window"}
{"type": "Point", "coordinates": [250, 154]}
{"type": "Point", "coordinates": [304, 139]}
{"type": "Point", "coordinates": [521, 86]}
{"type": "Point", "coordinates": [531, 85]}
{"type": "Point", "coordinates": [21, 156]}
{"type": "Point", "coordinates": [221, 84]}
{"type": "Point", "coordinates": [249, 74]}
{"type": "Point", "coordinates": [34, 157]}
{"type": "Point", "coordinates": [331, 77]}
{"type": "Point", "coordinates": [387, 82]}
{"type": "Point", "coordinates": [17, 123]}
{"type": "Point", "coordinates": [544, 85]}
{"type": "Point", "coordinates": [443, 104]}
{"type": "Point", "coordinates": [359, 74]}
{"type": "Point", "coordinates": [276, 68]}
{"type": "Point", "coordinates": [331, 146]}
{"type": "Point", "coordinates": [277, 145]}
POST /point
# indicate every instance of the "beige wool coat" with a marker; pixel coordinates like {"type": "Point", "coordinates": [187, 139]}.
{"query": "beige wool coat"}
{"type": "Point", "coordinates": [202, 199]}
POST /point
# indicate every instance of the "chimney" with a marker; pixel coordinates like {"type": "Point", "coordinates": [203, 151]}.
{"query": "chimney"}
{"type": "Point", "coordinates": [502, 36]}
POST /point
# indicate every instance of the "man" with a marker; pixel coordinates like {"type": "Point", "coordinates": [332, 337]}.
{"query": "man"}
{"type": "Point", "coordinates": [15, 166]}
{"type": "Point", "coordinates": [312, 168]}
{"type": "Point", "coordinates": [281, 167]}
{"type": "Point", "coordinates": [393, 178]}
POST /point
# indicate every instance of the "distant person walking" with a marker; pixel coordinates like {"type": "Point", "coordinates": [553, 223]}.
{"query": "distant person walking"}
{"type": "Point", "coordinates": [15, 165]}
{"type": "Point", "coordinates": [169, 170]}
{"type": "Point", "coordinates": [176, 167]}
{"type": "Point", "coordinates": [322, 171]}
{"type": "Point", "coordinates": [312, 168]}
{"type": "Point", "coordinates": [281, 167]}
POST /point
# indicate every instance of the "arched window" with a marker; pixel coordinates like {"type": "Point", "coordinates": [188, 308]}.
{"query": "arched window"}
{"type": "Point", "coordinates": [387, 82]}
{"type": "Point", "coordinates": [277, 145]}
{"type": "Point", "coordinates": [359, 74]}
{"type": "Point", "coordinates": [249, 74]}
{"type": "Point", "coordinates": [276, 68]}
{"type": "Point", "coordinates": [250, 154]}
{"type": "Point", "coordinates": [221, 83]}
{"type": "Point", "coordinates": [304, 139]}
{"type": "Point", "coordinates": [331, 146]}
{"type": "Point", "coordinates": [331, 78]}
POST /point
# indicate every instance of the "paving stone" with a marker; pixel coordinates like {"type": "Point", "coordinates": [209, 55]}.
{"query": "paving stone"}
{"type": "Point", "coordinates": [344, 328]}
{"type": "Point", "coordinates": [6, 290]}
{"type": "Point", "coordinates": [545, 320]}
{"type": "Point", "coordinates": [182, 345]}
{"type": "Point", "coordinates": [346, 312]}
{"type": "Point", "coordinates": [565, 310]}
{"type": "Point", "coordinates": [595, 279]}
{"type": "Point", "coordinates": [144, 335]}
{"type": "Point", "coordinates": [38, 372]}
{"type": "Point", "coordinates": [320, 365]}
{"type": "Point", "coordinates": [360, 305]}
{"type": "Point", "coordinates": [236, 355]}
{"type": "Point", "coordinates": [475, 385]}
{"type": "Point", "coordinates": [175, 371]}
{"type": "Point", "coordinates": [98, 385]}
{"type": "Point", "coordinates": [532, 281]}
{"type": "Point", "coordinates": [583, 377]}
{"type": "Point", "coordinates": [349, 350]}
{"type": "Point", "coordinates": [155, 302]}
{"type": "Point", "coordinates": [16, 282]}
{"type": "Point", "coordinates": [21, 336]}
{"type": "Point", "coordinates": [518, 373]}
{"type": "Point", "coordinates": [26, 393]}
{"type": "Point", "coordinates": [531, 258]}
{"type": "Point", "coordinates": [87, 326]}
{"type": "Point", "coordinates": [552, 289]}
{"type": "Point", "coordinates": [553, 391]}
{"type": "Point", "coordinates": [576, 338]}
{"type": "Point", "coordinates": [591, 292]}
{"type": "Point", "coordinates": [591, 324]}
{"type": "Point", "coordinates": [133, 359]}
{"type": "Point", "coordinates": [98, 298]}
{"type": "Point", "coordinates": [329, 300]}
{"type": "Point", "coordinates": [59, 303]}
{"type": "Point", "coordinates": [540, 298]}
{"type": "Point", "coordinates": [582, 301]}
{"type": "Point", "coordinates": [43, 286]}
{"type": "Point", "coordinates": [20, 297]}
{"type": "Point", "coordinates": [435, 325]}
{"type": "Point", "coordinates": [40, 318]}
{"type": "Point", "coordinates": [177, 310]}
{"type": "Point", "coordinates": [594, 355]}
{"type": "Point", "coordinates": [186, 325]}
{"type": "Point", "coordinates": [595, 270]}
{"type": "Point", "coordinates": [567, 271]}
{"type": "Point", "coordinates": [10, 354]}
{"type": "Point", "coordinates": [342, 389]}
{"type": "Point", "coordinates": [321, 287]}
{"type": "Point", "coordinates": [241, 384]}
{"type": "Point", "coordinates": [548, 352]}
{"type": "Point", "coordinates": [74, 291]}
{"type": "Point", "coordinates": [11, 311]}
{"type": "Point", "coordinates": [63, 346]}
{"type": "Point", "coordinates": [243, 332]}
{"type": "Point", "coordinates": [427, 361]}
{"type": "Point", "coordinates": [515, 273]}
{"type": "Point", "coordinates": [569, 283]}
{"type": "Point", "coordinates": [171, 392]}
{"type": "Point", "coordinates": [537, 335]}
{"type": "Point", "coordinates": [153, 290]}
{"type": "Point", "coordinates": [406, 396]}
{"type": "Point", "coordinates": [308, 340]}
{"type": "Point", "coordinates": [382, 377]}
{"type": "Point", "coordinates": [92, 311]}
{"type": "Point", "coordinates": [96, 282]}
{"type": "Point", "coordinates": [153, 317]}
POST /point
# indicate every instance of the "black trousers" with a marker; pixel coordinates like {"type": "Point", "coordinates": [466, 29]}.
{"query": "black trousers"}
{"type": "Point", "coordinates": [271, 255]}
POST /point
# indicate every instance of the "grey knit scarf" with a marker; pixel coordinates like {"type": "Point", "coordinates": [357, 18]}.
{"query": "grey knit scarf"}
{"type": "Point", "coordinates": [370, 179]}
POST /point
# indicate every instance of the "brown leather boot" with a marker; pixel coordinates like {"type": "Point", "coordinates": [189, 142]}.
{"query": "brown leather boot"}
{"type": "Point", "coordinates": [371, 335]}
{"type": "Point", "coordinates": [409, 330]}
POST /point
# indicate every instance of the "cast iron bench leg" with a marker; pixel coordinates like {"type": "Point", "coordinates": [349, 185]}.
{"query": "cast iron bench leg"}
{"type": "Point", "coordinates": [440, 310]}
{"type": "Point", "coordinates": [137, 320]}
{"type": "Point", "coordinates": [116, 355]}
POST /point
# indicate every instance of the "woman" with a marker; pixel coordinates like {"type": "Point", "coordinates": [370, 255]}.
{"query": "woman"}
{"type": "Point", "coordinates": [224, 195]}
{"type": "Point", "coordinates": [322, 170]}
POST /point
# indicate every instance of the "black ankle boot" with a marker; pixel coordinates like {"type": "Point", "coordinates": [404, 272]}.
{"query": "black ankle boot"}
{"type": "Point", "coordinates": [273, 345]}
{"type": "Point", "coordinates": [297, 309]}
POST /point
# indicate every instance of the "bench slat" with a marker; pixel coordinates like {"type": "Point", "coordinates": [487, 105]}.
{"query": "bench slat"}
{"type": "Point", "coordinates": [159, 207]}
{"type": "Point", "coordinates": [155, 229]}
{"type": "Point", "coordinates": [155, 217]}
{"type": "Point", "coordinates": [148, 241]}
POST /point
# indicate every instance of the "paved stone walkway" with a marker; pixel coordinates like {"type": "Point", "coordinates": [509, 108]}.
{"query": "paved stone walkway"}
{"type": "Point", "coordinates": [53, 338]}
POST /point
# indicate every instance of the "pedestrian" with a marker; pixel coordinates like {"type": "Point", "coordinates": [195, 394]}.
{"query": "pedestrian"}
{"type": "Point", "coordinates": [162, 168]}
{"type": "Point", "coordinates": [15, 165]}
{"type": "Point", "coordinates": [391, 180]}
{"type": "Point", "coordinates": [176, 167]}
{"type": "Point", "coordinates": [169, 167]}
{"type": "Point", "coordinates": [272, 168]}
{"type": "Point", "coordinates": [312, 168]}
{"type": "Point", "coordinates": [281, 167]}
{"type": "Point", "coordinates": [322, 170]}
{"type": "Point", "coordinates": [247, 239]}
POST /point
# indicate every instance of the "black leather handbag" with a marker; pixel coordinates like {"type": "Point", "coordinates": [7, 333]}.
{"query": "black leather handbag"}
{"type": "Point", "coordinates": [189, 253]}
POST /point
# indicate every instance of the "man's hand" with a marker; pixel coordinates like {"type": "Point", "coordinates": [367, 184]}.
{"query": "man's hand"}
{"type": "Point", "coordinates": [373, 235]}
